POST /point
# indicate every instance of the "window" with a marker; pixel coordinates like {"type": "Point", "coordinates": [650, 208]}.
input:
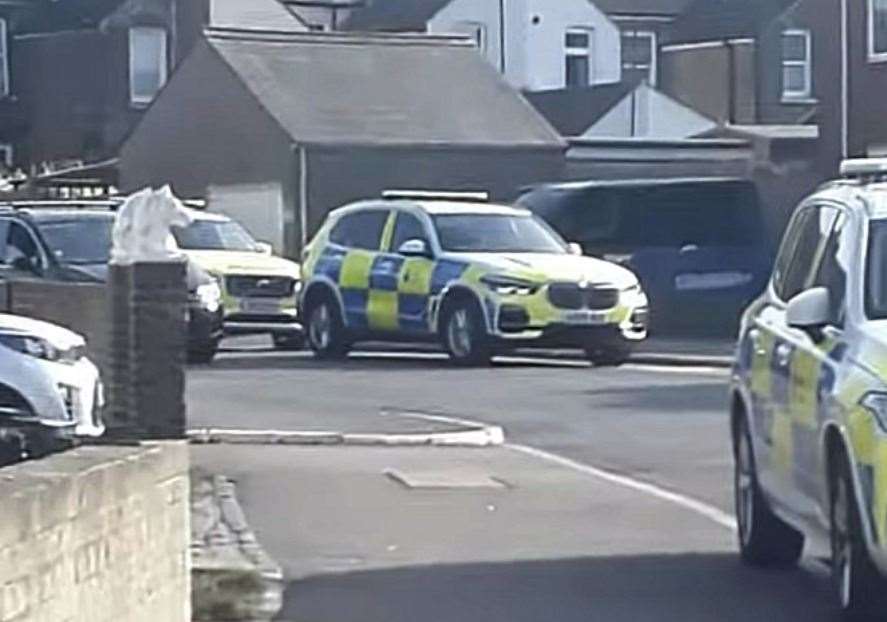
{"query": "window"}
{"type": "Point", "coordinates": [494, 233]}
{"type": "Point", "coordinates": [577, 45]}
{"type": "Point", "coordinates": [147, 63]}
{"type": "Point", "coordinates": [800, 250]}
{"type": "Point", "coordinates": [639, 53]}
{"type": "Point", "coordinates": [408, 227]}
{"type": "Point", "coordinates": [211, 235]}
{"type": "Point", "coordinates": [360, 230]}
{"type": "Point", "coordinates": [877, 26]}
{"type": "Point", "coordinates": [84, 241]}
{"type": "Point", "coordinates": [833, 268]}
{"type": "Point", "coordinates": [20, 251]}
{"type": "Point", "coordinates": [4, 60]}
{"type": "Point", "coordinates": [797, 64]}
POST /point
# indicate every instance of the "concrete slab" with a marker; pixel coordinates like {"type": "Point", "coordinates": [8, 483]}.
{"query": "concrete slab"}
{"type": "Point", "coordinates": [444, 479]}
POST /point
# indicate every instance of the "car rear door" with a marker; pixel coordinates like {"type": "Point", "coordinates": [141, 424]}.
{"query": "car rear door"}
{"type": "Point", "coordinates": [361, 234]}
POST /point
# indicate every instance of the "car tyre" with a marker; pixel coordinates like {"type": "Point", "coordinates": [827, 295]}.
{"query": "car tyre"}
{"type": "Point", "coordinates": [326, 331]}
{"type": "Point", "coordinates": [764, 538]}
{"type": "Point", "coordinates": [858, 584]}
{"type": "Point", "coordinates": [464, 334]}
{"type": "Point", "coordinates": [203, 354]}
{"type": "Point", "coordinates": [287, 341]}
{"type": "Point", "coordinates": [608, 355]}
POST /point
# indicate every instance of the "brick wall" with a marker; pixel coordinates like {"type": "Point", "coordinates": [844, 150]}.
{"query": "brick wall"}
{"type": "Point", "coordinates": [97, 534]}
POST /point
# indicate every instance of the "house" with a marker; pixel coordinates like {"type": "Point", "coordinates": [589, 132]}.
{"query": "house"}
{"type": "Point", "coordinates": [84, 71]}
{"type": "Point", "coordinates": [863, 114]}
{"type": "Point", "coordinates": [536, 44]}
{"type": "Point", "coordinates": [642, 24]}
{"type": "Point", "coordinates": [299, 123]}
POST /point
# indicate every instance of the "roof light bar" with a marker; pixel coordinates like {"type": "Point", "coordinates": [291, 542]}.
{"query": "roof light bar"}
{"type": "Point", "coordinates": [864, 167]}
{"type": "Point", "coordinates": [434, 195]}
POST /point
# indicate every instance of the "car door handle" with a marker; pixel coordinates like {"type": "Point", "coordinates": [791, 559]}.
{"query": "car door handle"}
{"type": "Point", "coordinates": [783, 355]}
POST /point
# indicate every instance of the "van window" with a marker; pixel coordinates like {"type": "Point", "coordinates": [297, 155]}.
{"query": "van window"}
{"type": "Point", "coordinates": [360, 230]}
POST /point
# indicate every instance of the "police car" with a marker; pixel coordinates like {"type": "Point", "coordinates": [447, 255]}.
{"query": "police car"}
{"type": "Point", "coordinates": [809, 394]}
{"type": "Point", "coordinates": [476, 276]}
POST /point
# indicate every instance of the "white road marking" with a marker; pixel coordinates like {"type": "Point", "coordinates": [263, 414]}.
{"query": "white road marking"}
{"type": "Point", "coordinates": [694, 505]}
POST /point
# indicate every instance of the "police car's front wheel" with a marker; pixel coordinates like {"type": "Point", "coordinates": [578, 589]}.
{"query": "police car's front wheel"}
{"type": "Point", "coordinates": [764, 539]}
{"type": "Point", "coordinates": [326, 331]}
{"type": "Point", "coordinates": [464, 334]}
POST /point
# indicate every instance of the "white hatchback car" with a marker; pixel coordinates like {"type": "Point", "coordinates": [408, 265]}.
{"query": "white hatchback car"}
{"type": "Point", "coordinates": [46, 377]}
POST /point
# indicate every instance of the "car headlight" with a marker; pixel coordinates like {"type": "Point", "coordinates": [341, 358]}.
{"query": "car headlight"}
{"type": "Point", "coordinates": [509, 286]}
{"type": "Point", "coordinates": [30, 345]}
{"type": "Point", "coordinates": [297, 287]}
{"type": "Point", "coordinates": [210, 296]}
{"type": "Point", "coordinates": [876, 403]}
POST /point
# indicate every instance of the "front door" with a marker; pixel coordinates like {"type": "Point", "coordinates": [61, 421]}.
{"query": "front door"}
{"type": "Point", "coordinates": [414, 280]}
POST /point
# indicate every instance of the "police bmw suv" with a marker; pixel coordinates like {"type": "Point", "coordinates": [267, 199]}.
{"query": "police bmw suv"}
{"type": "Point", "coordinates": [809, 394]}
{"type": "Point", "coordinates": [479, 277]}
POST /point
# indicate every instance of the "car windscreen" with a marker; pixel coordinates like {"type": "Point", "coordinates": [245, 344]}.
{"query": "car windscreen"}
{"type": "Point", "coordinates": [211, 235]}
{"type": "Point", "coordinates": [876, 272]}
{"type": "Point", "coordinates": [79, 242]}
{"type": "Point", "coordinates": [496, 233]}
{"type": "Point", "coordinates": [702, 215]}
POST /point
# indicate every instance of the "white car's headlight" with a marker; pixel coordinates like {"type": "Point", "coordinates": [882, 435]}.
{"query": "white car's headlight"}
{"type": "Point", "coordinates": [210, 296]}
{"type": "Point", "coordinates": [509, 286]}
{"type": "Point", "coordinates": [631, 294]}
{"type": "Point", "coordinates": [31, 345]}
{"type": "Point", "coordinates": [876, 403]}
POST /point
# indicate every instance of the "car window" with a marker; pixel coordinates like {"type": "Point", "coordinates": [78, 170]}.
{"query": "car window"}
{"type": "Point", "coordinates": [833, 269]}
{"type": "Point", "coordinates": [20, 244]}
{"type": "Point", "coordinates": [407, 227]}
{"type": "Point", "coordinates": [496, 233]}
{"type": "Point", "coordinates": [211, 235]}
{"type": "Point", "coordinates": [813, 231]}
{"type": "Point", "coordinates": [876, 271]}
{"type": "Point", "coordinates": [79, 242]}
{"type": "Point", "coordinates": [360, 229]}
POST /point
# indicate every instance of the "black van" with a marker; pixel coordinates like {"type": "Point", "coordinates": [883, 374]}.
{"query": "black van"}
{"type": "Point", "coordinates": [698, 245]}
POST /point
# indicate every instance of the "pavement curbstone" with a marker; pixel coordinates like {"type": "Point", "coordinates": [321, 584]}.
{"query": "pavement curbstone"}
{"type": "Point", "coordinates": [682, 360]}
{"type": "Point", "coordinates": [483, 436]}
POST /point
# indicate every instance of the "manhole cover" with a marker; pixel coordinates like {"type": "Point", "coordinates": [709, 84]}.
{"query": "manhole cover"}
{"type": "Point", "coordinates": [443, 480]}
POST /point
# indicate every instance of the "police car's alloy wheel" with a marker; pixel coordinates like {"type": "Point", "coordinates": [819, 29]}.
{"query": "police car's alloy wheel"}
{"type": "Point", "coordinates": [857, 582]}
{"type": "Point", "coordinates": [326, 331]}
{"type": "Point", "coordinates": [764, 539]}
{"type": "Point", "coordinates": [464, 335]}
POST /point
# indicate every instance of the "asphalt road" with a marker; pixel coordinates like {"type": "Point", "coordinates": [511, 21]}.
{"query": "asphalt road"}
{"type": "Point", "coordinates": [624, 559]}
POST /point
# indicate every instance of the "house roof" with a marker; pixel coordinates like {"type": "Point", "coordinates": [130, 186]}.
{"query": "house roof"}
{"type": "Point", "coordinates": [706, 20]}
{"type": "Point", "coordinates": [573, 111]}
{"type": "Point", "coordinates": [394, 15]}
{"type": "Point", "coordinates": [381, 89]}
{"type": "Point", "coordinates": [642, 7]}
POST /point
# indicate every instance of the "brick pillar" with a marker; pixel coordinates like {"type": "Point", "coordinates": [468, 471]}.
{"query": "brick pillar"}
{"type": "Point", "coordinates": [146, 371]}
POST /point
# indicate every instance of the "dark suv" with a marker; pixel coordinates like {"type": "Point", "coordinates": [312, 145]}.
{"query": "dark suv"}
{"type": "Point", "coordinates": [71, 241]}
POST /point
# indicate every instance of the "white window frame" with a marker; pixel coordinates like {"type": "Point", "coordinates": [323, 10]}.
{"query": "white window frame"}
{"type": "Point", "coordinates": [4, 49]}
{"type": "Point", "coordinates": [653, 68]}
{"type": "Point", "coordinates": [584, 52]}
{"type": "Point", "coordinates": [807, 64]}
{"type": "Point", "coordinates": [874, 56]}
{"type": "Point", "coordinates": [141, 100]}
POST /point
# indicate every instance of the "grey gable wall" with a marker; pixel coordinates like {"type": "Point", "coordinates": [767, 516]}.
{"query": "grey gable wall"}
{"type": "Point", "coordinates": [206, 128]}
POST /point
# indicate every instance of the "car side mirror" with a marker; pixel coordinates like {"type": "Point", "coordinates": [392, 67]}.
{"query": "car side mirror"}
{"type": "Point", "coordinates": [264, 248]}
{"type": "Point", "coordinates": [414, 248]}
{"type": "Point", "coordinates": [24, 264]}
{"type": "Point", "coordinates": [575, 249]}
{"type": "Point", "coordinates": [810, 311]}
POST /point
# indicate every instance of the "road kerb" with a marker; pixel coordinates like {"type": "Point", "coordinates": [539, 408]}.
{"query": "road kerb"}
{"type": "Point", "coordinates": [681, 360]}
{"type": "Point", "coordinates": [485, 436]}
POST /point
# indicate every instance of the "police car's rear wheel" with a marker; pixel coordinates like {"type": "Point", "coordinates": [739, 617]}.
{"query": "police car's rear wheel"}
{"type": "Point", "coordinates": [764, 539]}
{"type": "Point", "coordinates": [857, 582]}
{"type": "Point", "coordinates": [464, 335]}
{"type": "Point", "coordinates": [326, 331]}
{"type": "Point", "coordinates": [608, 356]}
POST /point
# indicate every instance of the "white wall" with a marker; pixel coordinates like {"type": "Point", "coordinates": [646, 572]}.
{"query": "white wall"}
{"type": "Point", "coordinates": [534, 38]}
{"type": "Point", "coordinates": [655, 116]}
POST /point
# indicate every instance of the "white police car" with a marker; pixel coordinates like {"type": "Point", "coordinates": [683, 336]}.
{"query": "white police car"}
{"type": "Point", "coordinates": [809, 394]}
{"type": "Point", "coordinates": [477, 276]}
